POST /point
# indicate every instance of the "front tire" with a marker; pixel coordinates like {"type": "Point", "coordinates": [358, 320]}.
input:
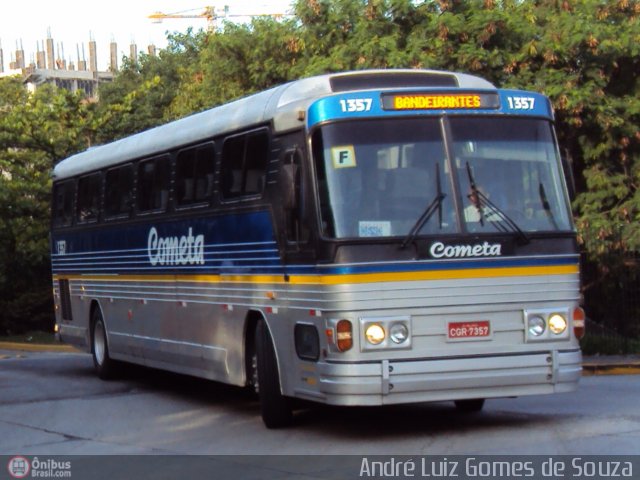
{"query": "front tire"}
{"type": "Point", "coordinates": [274, 407]}
{"type": "Point", "coordinates": [105, 366]}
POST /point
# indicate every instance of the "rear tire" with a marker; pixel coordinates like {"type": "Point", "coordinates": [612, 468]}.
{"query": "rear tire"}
{"type": "Point", "coordinates": [105, 366]}
{"type": "Point", "coordinates": [470, 406]}
{"type": "Point", "coordinates": [274, 407]}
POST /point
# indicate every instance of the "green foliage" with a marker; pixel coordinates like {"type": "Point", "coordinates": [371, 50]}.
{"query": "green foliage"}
{"type": "Point", "coordinates": [35, 132]}
{"type": "Point", "coordinates": [586, 57]}
{"type": "Point", "coordinates": [142, 94]}
{"type": "Point", "coordinates": [241, 59]}
{"type": "Point", "coordinates": [603, 345]}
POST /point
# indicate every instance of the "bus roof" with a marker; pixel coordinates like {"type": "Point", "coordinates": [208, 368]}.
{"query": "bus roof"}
{"type": "Point", "coordinates": [279, 105]}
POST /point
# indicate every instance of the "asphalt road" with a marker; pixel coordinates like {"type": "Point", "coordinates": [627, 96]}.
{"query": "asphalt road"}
{"type": "Point", "coordinates": [52, 403]}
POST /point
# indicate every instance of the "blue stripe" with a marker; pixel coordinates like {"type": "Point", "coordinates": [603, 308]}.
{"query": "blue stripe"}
{"type": "Point", "coordinates": [235, 244]}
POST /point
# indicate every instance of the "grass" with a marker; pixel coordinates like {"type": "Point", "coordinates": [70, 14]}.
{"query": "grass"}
{"type": "Point", "coordinates": [45, 338]}
{"type": "Point", "coordinates": [609, 345]}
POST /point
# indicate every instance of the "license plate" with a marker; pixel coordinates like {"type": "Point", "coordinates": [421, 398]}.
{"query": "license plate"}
{"type": "Point", "coordinates": [469, 330]}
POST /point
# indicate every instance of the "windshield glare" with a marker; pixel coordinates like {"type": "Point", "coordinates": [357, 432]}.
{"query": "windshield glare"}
{"type": "Point", "coordinates": [377, 177]}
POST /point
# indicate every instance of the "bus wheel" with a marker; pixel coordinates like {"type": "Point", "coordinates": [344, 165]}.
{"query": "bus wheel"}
{"type": "Point", "coordinates": [105, 366]}
{"type": "Point", "coordinates": [470, 406]}
{"type": "Point", "coordinates": [274, 407]}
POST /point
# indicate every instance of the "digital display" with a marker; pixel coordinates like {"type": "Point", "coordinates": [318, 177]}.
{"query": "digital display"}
{"type": "Point", "coordinates": [439, 101]}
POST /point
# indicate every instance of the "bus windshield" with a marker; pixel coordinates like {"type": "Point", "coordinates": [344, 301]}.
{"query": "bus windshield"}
{"type": "Point", "coordinates": [393, 177]}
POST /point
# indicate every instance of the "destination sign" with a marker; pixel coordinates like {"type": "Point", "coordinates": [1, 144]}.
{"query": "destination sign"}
{"type": "Point", "coordinates": [439, 101]}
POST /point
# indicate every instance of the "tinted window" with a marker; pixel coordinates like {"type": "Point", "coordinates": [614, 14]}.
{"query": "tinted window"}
{"type": "Point", "coordinates": [63, 204]}
{"type": "Point", "coordinates": [515, 167]}
{"type": "Point", "coordinates": [244, 164]}
{"type": "Point", "coordinates": [119, 191]}
{"type": "Point", "coordinates": [296, 228]}
{"type": "Point", "coordinates": [359, 81]}
{"type": "Point", "coordinates": [377, 177]}
{"type": "Point", "coordinates": [153, 184]}
{"type": "Point", "coordinates": [88, 198]}
{"type": "Point", "coordinates": [194, 175]}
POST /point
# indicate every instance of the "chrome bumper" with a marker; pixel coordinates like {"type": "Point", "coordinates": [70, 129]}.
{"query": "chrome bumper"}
{"type": "Point", "coordinates": [393, 382]}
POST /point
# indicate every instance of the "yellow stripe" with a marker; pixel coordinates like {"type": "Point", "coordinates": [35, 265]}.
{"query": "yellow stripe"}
{"type": "Point", "coordinates": [341, 279]}
{"type": "Point", "coordinates": [435, 275]}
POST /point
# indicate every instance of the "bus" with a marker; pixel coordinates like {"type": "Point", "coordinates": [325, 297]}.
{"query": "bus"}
{"type": "Point", "coordinates": [361, 238]}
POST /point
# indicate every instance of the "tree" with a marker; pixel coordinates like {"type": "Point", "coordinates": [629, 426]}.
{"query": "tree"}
{"type": "Point", "coordinates": [240, 60]}
{"type": "Point", "coordinates": [35, 132]}
{"type": "Point", "coordinates": [142, 93]}
{"type": "Point", "coordinates": [354, 34]}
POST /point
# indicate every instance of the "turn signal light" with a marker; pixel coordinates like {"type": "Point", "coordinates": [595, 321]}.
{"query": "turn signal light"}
{"type": "Point", "coordinates": [344, 335]}
{"type": "Point", "coordinates": [579, 320]}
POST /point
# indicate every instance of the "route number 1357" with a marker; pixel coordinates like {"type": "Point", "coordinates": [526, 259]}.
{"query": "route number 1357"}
{"type": "Point", "coordinates": [521, 103]}
{"type": "Point", "coordinates": [356, 105]}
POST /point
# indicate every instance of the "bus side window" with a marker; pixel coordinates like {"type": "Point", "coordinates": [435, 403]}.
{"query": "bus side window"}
{"type": "Point", "coordinates": [255, 166]}
{"type": "Point", "coordinates": [194, 175]}
{"type": "Point", "coordinates": [326, 214]}
{"type": "Point", "coordinates": [63, 204]}
{"type": "Point", "coordinates": [118, 191]}
{"type": "Point", "coordinates": [153, 184]}
{"type": "Point", "coordinates": [244, 164]}
{"type": "Point", "coordinates": [89, 191]}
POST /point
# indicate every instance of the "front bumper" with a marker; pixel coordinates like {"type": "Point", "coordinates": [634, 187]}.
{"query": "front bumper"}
{"type": "Point", "coordinates": [393, 382]}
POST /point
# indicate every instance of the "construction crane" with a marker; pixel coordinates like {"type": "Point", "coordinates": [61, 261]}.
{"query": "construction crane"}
{"type": "Point", "coordinates": [211, 14]}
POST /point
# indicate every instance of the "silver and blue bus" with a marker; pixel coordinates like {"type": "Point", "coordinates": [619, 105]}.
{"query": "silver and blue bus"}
{"type": "Point", "coordinates": [363, 238]}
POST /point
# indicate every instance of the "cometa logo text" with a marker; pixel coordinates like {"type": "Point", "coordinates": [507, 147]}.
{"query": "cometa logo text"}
{"type": "Point", "coordinates": [486, 249]}
{"type": "Point", "coordinates": [184, 250]}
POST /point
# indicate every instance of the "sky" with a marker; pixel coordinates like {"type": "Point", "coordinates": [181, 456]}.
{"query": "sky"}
{"type": "Point", "coordinates": [73, 23]}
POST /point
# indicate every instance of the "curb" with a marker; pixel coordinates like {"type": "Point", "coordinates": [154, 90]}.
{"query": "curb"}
{"type": "Point", "coordinates": [36, 347]}
{"type": "Point", "coordinates": [591, 369]}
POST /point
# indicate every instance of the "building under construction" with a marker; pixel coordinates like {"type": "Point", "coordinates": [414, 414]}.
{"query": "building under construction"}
{"type": "Point", "coordinates": [49, 66]}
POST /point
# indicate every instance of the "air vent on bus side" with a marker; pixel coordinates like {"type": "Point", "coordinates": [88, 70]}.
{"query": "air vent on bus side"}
{"type": "Point", "coordinates": [363, 81]}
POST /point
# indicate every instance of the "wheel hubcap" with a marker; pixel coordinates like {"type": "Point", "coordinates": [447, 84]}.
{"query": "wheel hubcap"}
{"type": "Point", "coordinates": [99, 343]}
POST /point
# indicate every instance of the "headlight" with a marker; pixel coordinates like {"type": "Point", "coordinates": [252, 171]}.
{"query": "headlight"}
{"type": "Point", "coordinates": [557, 324]}
{"type": "Point", "coordinates": [398, 333]}
{"type": "Point", "coordinates": [383, 333]}
{"type": "Point", "coordinates": [547, 324]}
{"type": "Point", "coordinates": [536, 325]}
{"type": "Point", "coordinates": [375, 334]}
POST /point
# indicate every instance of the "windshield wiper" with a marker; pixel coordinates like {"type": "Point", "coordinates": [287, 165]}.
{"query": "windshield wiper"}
{"type": "Point", "coordinates": [474, 196]}
{"type": "Point", "coordinates": [489, 210]}
{"type": "Point", "coordinates": [546, 205]}
{"type": "Point", "coordinates": [435, 205]}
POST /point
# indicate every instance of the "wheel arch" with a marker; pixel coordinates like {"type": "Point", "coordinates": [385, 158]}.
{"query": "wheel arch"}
{"type": "Point", "coordinates": [252, 318]}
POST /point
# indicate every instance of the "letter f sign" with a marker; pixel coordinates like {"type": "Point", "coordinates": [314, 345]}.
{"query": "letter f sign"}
{"type": "Point", "coordinates": [343, 157]}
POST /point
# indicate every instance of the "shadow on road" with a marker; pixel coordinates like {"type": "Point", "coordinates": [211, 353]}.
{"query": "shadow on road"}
{"type": "Point", "coordinates": [346, 422]}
